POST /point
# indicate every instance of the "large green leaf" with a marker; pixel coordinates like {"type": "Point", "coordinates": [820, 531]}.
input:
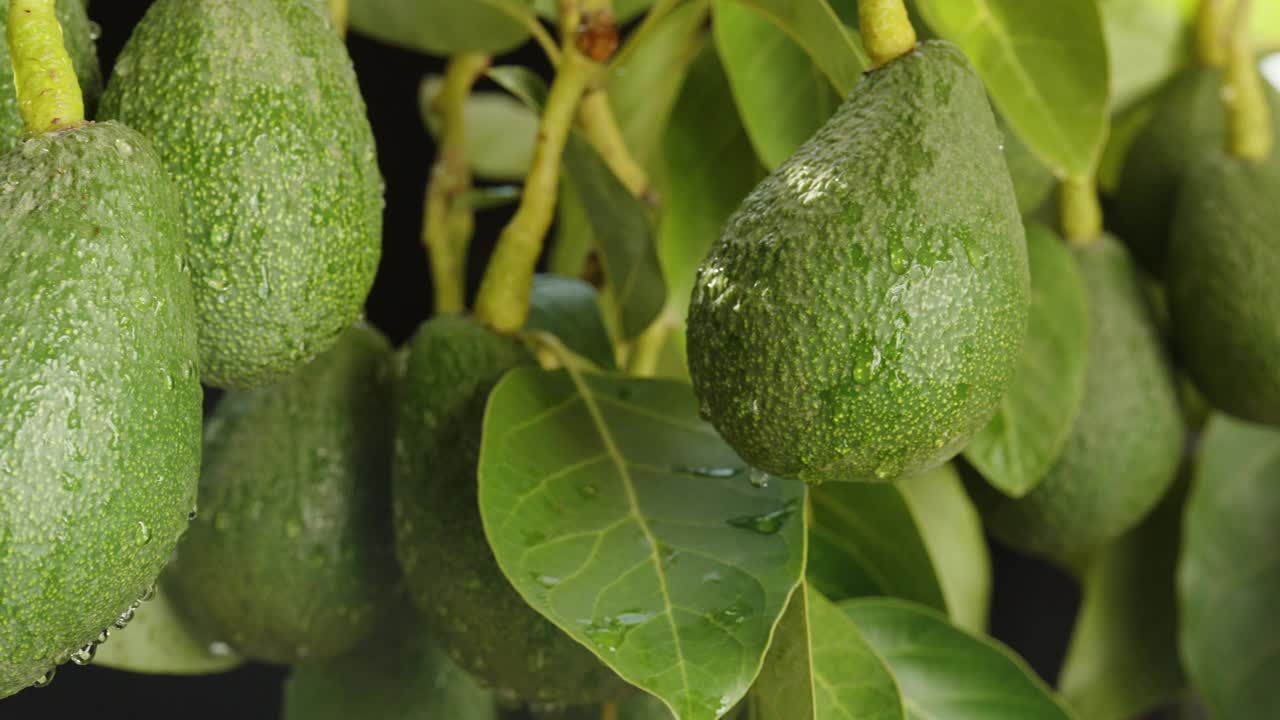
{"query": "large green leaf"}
{"type": "Point", "coordinates": [952, 532]}
{"type": "Point", "coordinates": [499, 130]}
{"type": "Point", "coordinates": [160, 640]}
{"type": "Point", "coordinates": [819, 30]}
{"type": "Point", "coordinates": [1123, 658]}
{"type": "Point", "coordinates": [944, 672]}
{"type": "Point", "coordinates": [1147, 42]}
{"type": "Point", "coordinates": [622, 517]}
{"type": "Point", "coordinates": [566, 307]}
{"type": "Point", "coordinates": [1229, 573]}
{"type": "Point", "coordinates": [444, 27]}
{"type": "Point", "coordinates": [1019, 444]}
{"type": "Point", "coordinates": [780, 94]}
{"type": "Point", "coordinates": [1045, 65]}
{"type": "Point", "coordinates": [820, 668]}
{"type": "Point", "coordinates": [398, 674]}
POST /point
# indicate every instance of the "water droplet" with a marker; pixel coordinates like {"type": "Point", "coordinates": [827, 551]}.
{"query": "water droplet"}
{"type": "Point", "coordinates": [219, 648]}
{"type": "Point", "coordinates": [767, 523]}
{"type": "Point", "coordinates": [148, 594]}
{"type": "Point", "coordinates": [95, 30]}
{"type": "Point", "coordinates": [85, 654]}
{"type": "Point", "coordinates": [712, 577]}
{"type": "Point", "coordinates": [193, 513]}
{"type": "Point", "coordinates": [103, 636]}
{"type": "Point", "coordinates": [546, 581]}
{"type": "Point", "coordinates": [217, 279]}
{"type": "Point", "coordinates": [125, 618]}
{"type": "Point", "coordinates": [144, 533]}
{"type": "Point", "coordinates": [45, 679]}
{"type": "Point", "coordinates": [264, 284]}
{"type": "Point", "coordinates": [758, 478]}
{"type": "Point", "coordinates": [710, 472]}
{"type": "Point", "coordinates": [899, 258]}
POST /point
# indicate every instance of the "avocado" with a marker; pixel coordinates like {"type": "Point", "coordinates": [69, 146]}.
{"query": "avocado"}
{"type": "Point", "coordinates": [78, 38]}
{"type": "Point", "coordinates": [862, 312]}
{"type": "Point", "coordinates": [254, 108]}
{"type": "Point", "coordinates": [290, 557]}
{"type": "Point", "coordinates": [1123, 450]}
{"type": "Point", "coordinates": [1187, 124]}
{"type": "Point", "coordinates": [1224, 298]}
{"type": "Point", "coordinates": [99, 395]}
{"type": "Point", "coordinates": [452, 576]}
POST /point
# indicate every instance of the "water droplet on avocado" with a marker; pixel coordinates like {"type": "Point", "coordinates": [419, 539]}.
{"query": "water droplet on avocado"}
{"type": "Point", "coordinates": [767, 523]}
{"type": "Point", "coordinates": [125, 618]}
{"type": "Point", "coordinates": [143, 533]}
{"type": "Point", "coordinates": [219, 648]}
{"type": "Point", "coordinates": [85, 654]}
{"type": "Point", "coordinates": [899, 258]}
{"type": "Point", "coordinates": [45, 679]}
{"type": "Point", "coordinates": [758, 478]}
{"type": "Point", "coordinates": [217, 279]}
{"type": "Point", "coordinates": [148, 594]}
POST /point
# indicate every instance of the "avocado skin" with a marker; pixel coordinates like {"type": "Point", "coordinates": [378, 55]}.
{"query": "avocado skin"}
{"type": "Point", "coordinates": [1187, 124]}
{"type": "Point", "coordinates": [1223, 280]}
{"type": "Point", "coordinates": [862, 312]}
{"type": "Point", "coordinates": [290, 558]}
{"type": "Point", "coordinates": [77, 39]}
{"type": "Point", "coordinates": [450, 570]}
{"type": "Point", "coordinates": [1124, 448]}
{"type": "Point", "coordinates": [99, 396]}
{"type": "Point", "coordinates": [254, 107]}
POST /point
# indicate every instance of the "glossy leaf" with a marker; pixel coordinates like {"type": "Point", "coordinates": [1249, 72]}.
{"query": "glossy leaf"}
{"type": "Point", "coordinates": [1045, 65]}
{"type": "Point", "coordinates": [820, 668]}
{"type": "Point", "coordinates": [624, 519]}
{"type": "Point", "coordinates": [952, 532]}
{"type": "Point", "coordinates": [817, 28]}
{"type": "Point", "coordinates": [782, 97]}
{"type": "Point", "coordinates": [160, 640]}
{"type": "Point", "coordinates": [567, 308]}
{"type": "Point", "coordinates": [499, 131]}
{"type": "Point", "coordinates": [1147, 42]}
{"type": "Point", "coordinates": [396, 675]}
{"type": "Point", "coordinates": [944, 672]}
{"type": "Point", "coordinates": [1017, 447]}
{"type": "Point", "coordinates": [444, 27]}
{"type": "Point", "coordinates": [1123, 657]}
{"type": "Point", "coordinates": [572, 240]}
{"type": "Point", "coordinates": [522, 82]}
{"type": "Point", "coordinates": [1229, 573]}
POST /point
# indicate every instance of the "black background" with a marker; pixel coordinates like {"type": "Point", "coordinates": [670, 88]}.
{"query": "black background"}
{"type": "Point", "coordinates": [1033, 604]}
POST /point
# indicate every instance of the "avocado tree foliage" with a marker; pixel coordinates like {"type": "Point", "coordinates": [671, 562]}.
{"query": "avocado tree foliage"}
{"type": "Point", "coordinates": [830, 290]}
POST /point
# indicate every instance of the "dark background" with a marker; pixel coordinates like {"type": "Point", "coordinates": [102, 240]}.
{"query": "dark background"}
{"type": "Point", "coordinates": [1032, 607]}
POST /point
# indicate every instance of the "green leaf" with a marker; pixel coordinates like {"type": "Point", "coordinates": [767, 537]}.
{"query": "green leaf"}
{"type": "Point", "coordinates": [1045, 65]}
{"type": "Point", "coordinates": [499, 131]}
{"type": "Point", "coordinates": [396, 675]}
{"type": "Point", "coordinates": [1147, 42]}
{"type": "Point", "coordinates": [643, 91]}
{"type": "Point", "coordinates": [1017, 447]}
{"type": "Point", "coordinates": [1123, 657]}
{"type": "Point", "coordinates": [818, 29]}
{"type": "Point", "coordinates": [623, 10]}
{"type": "Point", "coordinates": [567, 308]}
{"type": "Point", "coordinates": [780, 94]}
{"type": "Point", "coordinates": [710, 168]}
{"type": "Point", "coordinates": [622, 517]}
{"type": "Point", "coordinates": [820, 668]}
{"type": "Point", "coordinates": [644, 706]}
{"type": "Point", "coordinates": [160, 640]}
{"type": "Point", "coordinates": [444, 27]}
{"type": "Point", "coordinates": [952, 532]}
{"type": "Point", "coordinates": [944, 672]}
{"type": "Point", "coordinates": [1229, 573]}
{"type": "Point", "coordinates": [525, 84]}
{"type": "Point", "coordinates": [573, 240]}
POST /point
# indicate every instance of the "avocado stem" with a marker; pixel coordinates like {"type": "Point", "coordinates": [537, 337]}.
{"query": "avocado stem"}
{"type": "Point", "coordinates": [1249, 132]}
{"type": "Point", "coordinates": [609, 711]}
{"type": "Point", "coordinates": [49, 96]}
{"type": "Point", "coordinates": [601, 127]}
{"type": "Point", "coordinates": [1081, 213]}
{"type": "Point", "coordinates": [1211, 32]}
{"type": "Point", "coordinates": [503, 299]}
{"type": "Point", "coordinates": [886, 30]}
{"type": "Point", "coordinates": [447, 222]}
{"type": "Point", "coordinates": [338, 12]}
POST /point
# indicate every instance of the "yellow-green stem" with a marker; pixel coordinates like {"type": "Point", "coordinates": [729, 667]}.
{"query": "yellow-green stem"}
{"type": "Point", "coordinates": [338, 12]}
{"type": "Point", "coordinates": [503, 299]}
{"type": "Point", "coordinates": [1249, 132]}
{"type": "Point", "coordinates": [886, 29]}
{"type": "Point", "coordinates": [1211, 32]}
{"type": "Point", "coordinates": [48, 92]}
{"type": "Point", "coordinates": [447, 223]}
{"type": "Point", "coordinates": [601, 127]}
{"type": "Point", "coordinates": [1081, 213]}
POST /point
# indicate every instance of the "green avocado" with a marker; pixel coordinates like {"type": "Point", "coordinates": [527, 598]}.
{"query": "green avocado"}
{"type": "Point", "coordinates": [1223, 280]}
{"type": "Point", "coordinates": [99, 394]}
{"type": "Point", "coordinates": [290, 558]}
{"type": "Point", "coordinates": [1123, 451]}
{"type": "Point", "coordinates": [1187, 124]}
{"type": "Point", "coordinates": [78, 38]}
{"type": "Point", "coordinates": [862, 312]}
{"type": "Point", "coordinates": [254, 108]}
{"type": "Point", "coordinates": [452, 576]}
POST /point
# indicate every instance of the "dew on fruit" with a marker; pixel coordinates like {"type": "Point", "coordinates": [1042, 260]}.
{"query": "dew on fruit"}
{"type": "Point", "coordinates": [758, 478]}
{"type": "Point", "coordinates": [46, 679]}
{"type": "Point", "coordinates": [143, 533]}
{"type": "Point", "coordinates": [148, 594]}
{"type": "Point", "coordinates": [85, 654]}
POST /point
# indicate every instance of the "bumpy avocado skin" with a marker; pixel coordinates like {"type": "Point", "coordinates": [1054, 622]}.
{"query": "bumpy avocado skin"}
{"type": "Point", "coordinates": [1187, 124]}
{"type": "Point", "coordinates": [99, 395]}
{"type": "Point", "coordinates": [861, 314]}
{"type": "Point", "coordinates": [1223, 280]}
{"type": "Point", "coordinates": [78, 39]}
{"type": "Point", "coordinates": [449, 568]}
{"type": "Point", "coordinates": [290, 558]}
{"type": "Point", "coordinates": [1124, 448]}
{"type": "Point", "coordinates": [254, 108]}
